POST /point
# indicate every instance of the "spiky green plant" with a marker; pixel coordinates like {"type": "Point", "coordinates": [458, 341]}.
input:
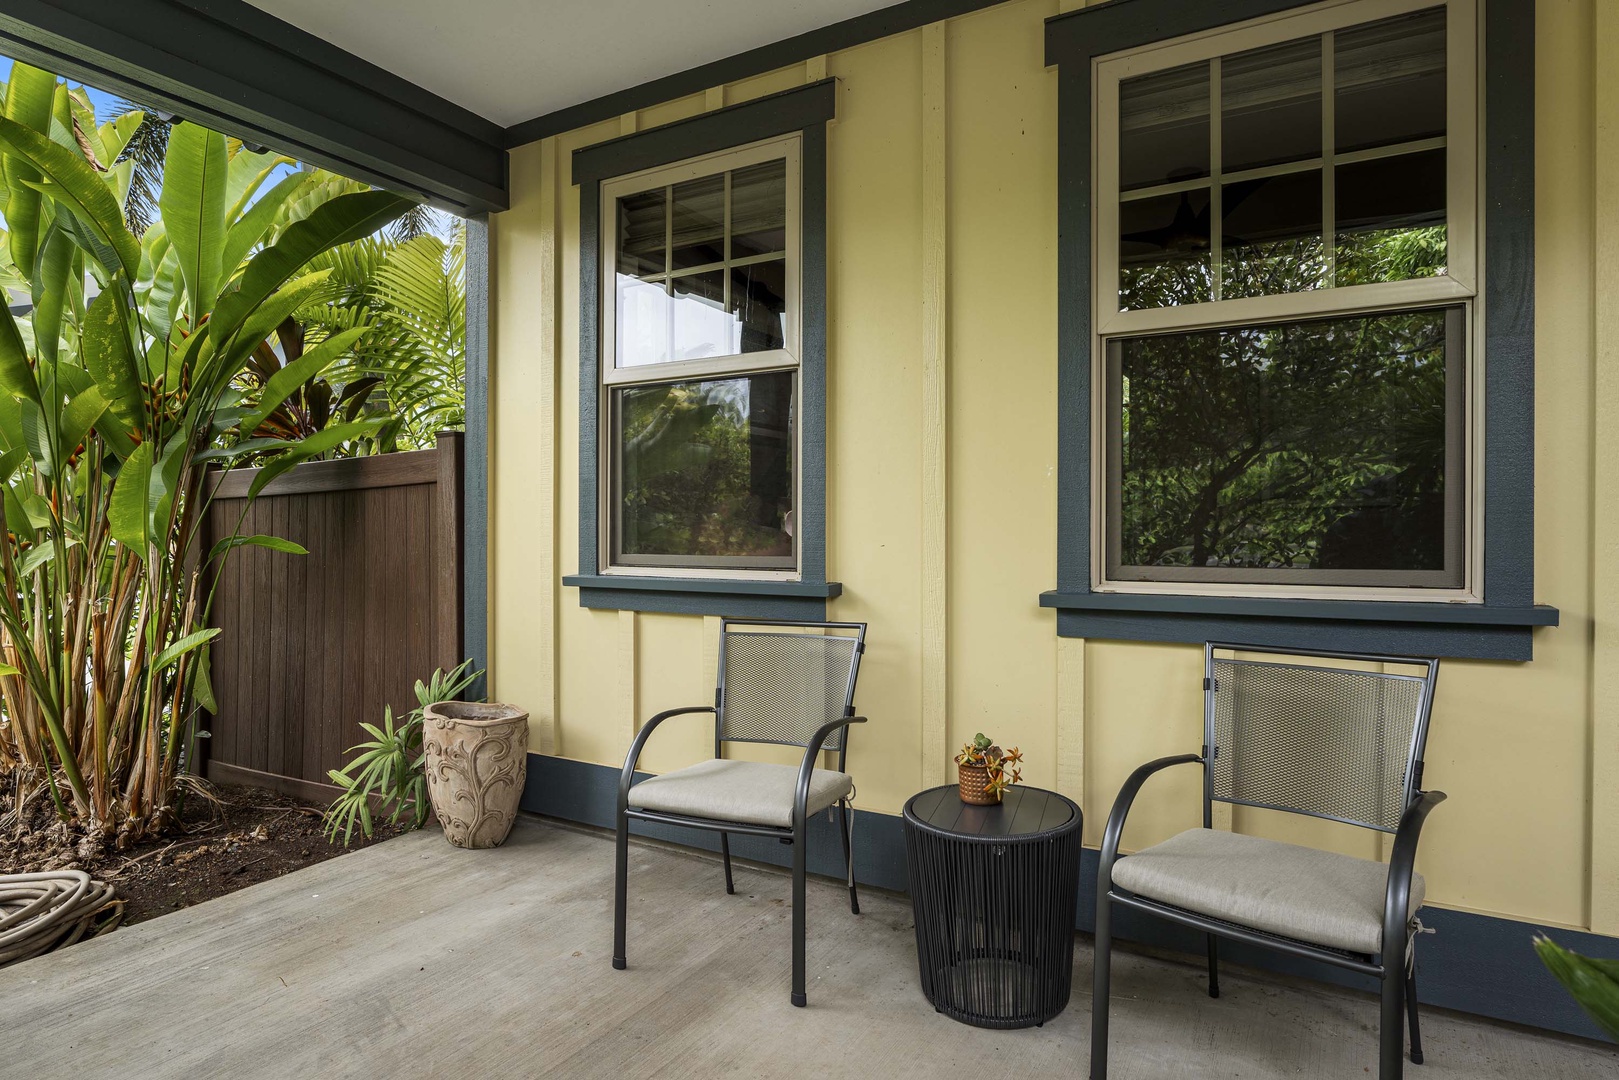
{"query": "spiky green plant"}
{"type": "Point", "coordinates": [387, 769]}
{"type": "Point", "coordinates": [1593, 982]}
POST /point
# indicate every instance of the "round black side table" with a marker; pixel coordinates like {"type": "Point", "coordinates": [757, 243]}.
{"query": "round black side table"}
{"type": "Point", "coordinates": [993, 891]}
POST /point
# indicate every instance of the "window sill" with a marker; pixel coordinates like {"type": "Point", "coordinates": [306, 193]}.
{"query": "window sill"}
{"type": "Point", "coordinates": [1475, 631]}
{"type": "Point", "coordinates": [761, 599]}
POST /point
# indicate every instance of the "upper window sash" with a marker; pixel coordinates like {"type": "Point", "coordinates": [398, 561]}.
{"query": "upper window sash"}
{"type": "Point", "coordinates": [1459, 282]}
{"type": "Point", "coordinates": [786, 148]}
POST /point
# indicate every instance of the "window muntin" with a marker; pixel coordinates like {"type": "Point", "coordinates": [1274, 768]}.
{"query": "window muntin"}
{"type": "Point", "coordinates": [699, 365]}
{"type": "Point", "coordinates": [1302, 170]}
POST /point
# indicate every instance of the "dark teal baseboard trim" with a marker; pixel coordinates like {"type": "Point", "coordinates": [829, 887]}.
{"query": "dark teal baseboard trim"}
{"type": "Point", "coordinates": [706, 596]}
{"type": "Point", "coordinates": [1474, 963]}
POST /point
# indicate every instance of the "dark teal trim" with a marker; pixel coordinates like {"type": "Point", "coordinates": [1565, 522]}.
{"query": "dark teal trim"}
{"type": "Point", "coordinates": [805, 110]}
{"type": "Point", "coordinates": [232, 67]}
{"type": "Point", "coordinates": [475, 459]}
{"type": "Point", "coordinates": [1438, 614]}
{"type": "Point", "coordinates": [1478, 964]}
{"type": "Point", "coordinates": [1502, 629]}
{"type": "Point", "coordinates": [882, 23]}
{"type": "Point", "coordinates": [714, 586]}
{"type": "Point", "coordinates": [797, 109]}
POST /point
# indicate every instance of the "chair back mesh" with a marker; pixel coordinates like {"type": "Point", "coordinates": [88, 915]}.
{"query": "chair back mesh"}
{"type": "Point", "coordinates": [1315, 739]}
{"type": "Point", "coordinates": [780, 685]}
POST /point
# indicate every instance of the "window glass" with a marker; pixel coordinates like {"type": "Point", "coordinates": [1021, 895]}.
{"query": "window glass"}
{"type": "Point", "coordinates": [1326, 446]}
{"type": "Point", "coordinates": [1321, 175]}
{"type": "Point", "coordinates": [702, 268]}
{"type": "Point", "coordinates": [706, 471]}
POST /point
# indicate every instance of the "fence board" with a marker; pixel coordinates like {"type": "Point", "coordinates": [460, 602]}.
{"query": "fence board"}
{"type": "Point", "coordinates": [311, 645]}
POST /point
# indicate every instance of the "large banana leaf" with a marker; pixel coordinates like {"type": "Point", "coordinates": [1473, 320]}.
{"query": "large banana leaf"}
{"type": "Point", "coordinates": [194, 199]}
{"type": "Point", "coordinates": [340, 221]}
{"type": "Point", "coordinates": [251, 227]}
{"type": "Point", "coordinates": [71, 182]}
{"type": "Point", "coordinates": [110, 359]}
{"type": "Point", "coordinates": [129, 509]}
{"type": "Point", "coordinates": [29, 95]}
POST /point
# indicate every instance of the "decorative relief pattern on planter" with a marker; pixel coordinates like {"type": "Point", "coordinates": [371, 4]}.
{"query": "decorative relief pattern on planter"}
{"type": "Point", "coordinates": [477, 759]}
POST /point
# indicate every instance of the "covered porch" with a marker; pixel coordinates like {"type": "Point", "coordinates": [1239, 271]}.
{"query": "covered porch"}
{"type": "Point", "coordinates": [416, 958]}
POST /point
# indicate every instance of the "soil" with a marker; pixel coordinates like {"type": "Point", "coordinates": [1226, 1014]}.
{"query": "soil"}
{"type": "Point", "coordinates": [229, 837]}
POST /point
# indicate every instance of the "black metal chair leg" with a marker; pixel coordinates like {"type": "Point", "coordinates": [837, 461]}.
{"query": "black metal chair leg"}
{"type": "Point", "coordinates": [1411, 1013]}
{"type": "Point", "coordinates": [1101, 964]}
{"type": "Point", "coordinates": [621, 873]}
{"type": "Point", "coordinates": [1214, 965]}
{"type": "Point", "coordinates": [1391, 1025]}
{"type": "Point", "coordinates": [848, 854]}
{"type": "Point", "coordinates": [799, 998]}
{"type": "Point", "coordinates": [725, 850]}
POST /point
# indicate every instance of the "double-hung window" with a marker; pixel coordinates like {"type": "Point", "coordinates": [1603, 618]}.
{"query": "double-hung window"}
{"type": "Point", "coordinates": [1286, 311]}
{"type": "Point", "coordinates": [700, 346]}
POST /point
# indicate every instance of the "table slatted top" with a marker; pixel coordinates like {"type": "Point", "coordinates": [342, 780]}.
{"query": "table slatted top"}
{"type": "Point", "coordinates": [1023, 811]}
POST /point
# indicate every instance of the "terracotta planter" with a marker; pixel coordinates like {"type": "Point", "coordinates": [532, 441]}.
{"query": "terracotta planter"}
{"type": "Point", "coordinates": [477, 759]}
{"type": "Point", "coordinates": [973, 780]}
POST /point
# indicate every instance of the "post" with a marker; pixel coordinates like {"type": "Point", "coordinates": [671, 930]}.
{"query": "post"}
{"type": "Point", "coordinates": [447, 537]}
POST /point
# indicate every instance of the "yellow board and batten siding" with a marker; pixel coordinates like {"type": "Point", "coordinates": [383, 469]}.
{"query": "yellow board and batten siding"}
{"type": "Point", "coordinates": [941, 479]}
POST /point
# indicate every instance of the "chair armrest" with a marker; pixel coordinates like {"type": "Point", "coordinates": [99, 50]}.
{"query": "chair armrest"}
{"type": "Point", "coordinates": [628, 776]}
{"type": "Point", "coordinates": [1402, 862]}
{"type": "Point", "coordinates": [1121, 807]}
{"type": "Point", "coordinates": [801, 793]}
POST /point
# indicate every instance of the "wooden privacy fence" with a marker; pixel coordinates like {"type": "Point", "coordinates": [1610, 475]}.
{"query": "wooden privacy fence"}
{"type": "Point", "coordinates": [313, 644]}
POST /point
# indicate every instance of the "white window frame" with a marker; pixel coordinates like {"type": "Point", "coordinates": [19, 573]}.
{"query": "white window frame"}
{"type": "Point", "coordinates": [1459, 285]}
{"type": "Point", "coordinates": [614, 378]}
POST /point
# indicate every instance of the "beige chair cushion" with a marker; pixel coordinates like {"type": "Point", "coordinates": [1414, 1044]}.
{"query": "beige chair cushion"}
{"type": "Point", "coordinates": [1296, 892]}
{"type": "Point", "coordinates": [749, 791]}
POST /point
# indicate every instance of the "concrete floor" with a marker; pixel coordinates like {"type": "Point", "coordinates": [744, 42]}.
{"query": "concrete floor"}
{"type": "Point", "coordinates": [412, 958]}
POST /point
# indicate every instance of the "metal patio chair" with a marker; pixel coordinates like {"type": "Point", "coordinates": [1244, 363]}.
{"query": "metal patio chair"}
{"type": "Point", "coordinates": [781, 682]}
{"type": "Point", "coordinates": [1306, 736]}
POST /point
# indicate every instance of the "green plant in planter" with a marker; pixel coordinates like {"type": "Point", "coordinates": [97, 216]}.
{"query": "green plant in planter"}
{"type": "Point", "coordinates": [388, 768]}
{"type": "Point", "coordinates": [1005, 766]}
{"type": "Point", "coordinates": [1593, 982]}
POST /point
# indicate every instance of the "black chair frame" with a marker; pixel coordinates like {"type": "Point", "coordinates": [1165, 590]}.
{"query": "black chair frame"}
{"type": "Point", "coordinates": [795, 835]}
{"type": "Point", "coordinates": [1394, 967]}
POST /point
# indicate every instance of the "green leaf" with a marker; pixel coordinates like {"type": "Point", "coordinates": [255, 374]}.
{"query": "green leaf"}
{"type": "Point", "coordinates": [7, 669]}
{"type": "Point", "coordinates": [29, 95]}
{"type": "Point", "coordinates": [183, 646]}
{"type": "Point", "coordinates": [318, 443]}
{"type": "Point", "coordinates": [193, 201]}
{"type": "Point", "coordinates": [127, 509]}
{"type": "Point", "coordinates": [16, 374]}
{"type": "Point", "coordinates": [78, 418]}
{"type": "Point", "coordinates": [241, 449]}
{"type": "Point", "coordinates": [300, 371]}
{"type": "Point", "coordinates": [38, 556]}
{"type": "Point", "coordinates": [51, 282]}
{"type": "Point", "coordinates": [203, 688]}
{"type": "Point", "coordinates": [36, 436]}
{"type": "Point", "coordinates": [76, 186]}
{"type": "Point", "coordinates": [340, 221]}
{"type": "Point", "coordinates": [252, 226]}
{"type": "Point", "coordinates": [105, 349]}
{"type": "Point", "coordinates": [274, 543]}
{"type": "Point", "coordinates": [259, 326]}
{"type": "Point", "coordinates": [1593, 983]}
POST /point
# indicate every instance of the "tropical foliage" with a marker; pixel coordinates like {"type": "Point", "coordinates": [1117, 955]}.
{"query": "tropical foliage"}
{"type": "Point", "coordinates": [1593, 982]}
{"type": "Point", "coordinates": [387, 769]}
{"type": "Point", "coordinates": [116, 394]}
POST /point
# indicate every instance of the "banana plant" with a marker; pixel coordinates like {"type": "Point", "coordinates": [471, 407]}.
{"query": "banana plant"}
{"type": "Point", "coordinates": [116, 396]}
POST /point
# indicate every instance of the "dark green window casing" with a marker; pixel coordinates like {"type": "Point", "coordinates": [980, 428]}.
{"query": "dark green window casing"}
{"type": "Point", "coordinates": [805, 111]}
{"type": "Point", "coordinates": [1499, 628]}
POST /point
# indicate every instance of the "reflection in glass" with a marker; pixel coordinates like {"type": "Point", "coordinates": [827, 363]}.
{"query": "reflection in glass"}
{"type": "Point", "coordinates": [1315, 445]}
{"type": "Point", "coordinates": [759, 209]}
{"type": "Point", "coordinates": [1390, 81]}
{"type": "Point", "coordinates": [759, 305]}
{"type": "Point", "coordinates": [1271, 231]}
{"type": "Point", "coordinates": [1164, 127]}
{"type": "Point", "coordinates": [641, 233]}
{"type": "Point", "coordinates": [1164, 251]}
{"type": "Point", "coordinates": [706, 472]}
{"type": "Point", "coordinates": [641, 335]}
{"type": "Point", "coordinates": [1270, 105]}
{"type": "Point", "coordinates": [1391, 218]}
{"type": "Point", "coordinates": [698, 230]}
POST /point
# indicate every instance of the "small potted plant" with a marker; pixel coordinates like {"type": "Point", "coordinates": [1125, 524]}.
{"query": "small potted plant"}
{"type": "Point", "coordinates": [985, 771]}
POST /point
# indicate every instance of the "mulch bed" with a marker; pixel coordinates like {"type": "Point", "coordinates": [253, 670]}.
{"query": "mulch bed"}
{"type": "Point", "coordinates": [240, 837]}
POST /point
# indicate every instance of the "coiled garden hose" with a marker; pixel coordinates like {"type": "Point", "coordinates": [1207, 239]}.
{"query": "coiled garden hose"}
{"type": "Point", "coordinates": [41, 912]}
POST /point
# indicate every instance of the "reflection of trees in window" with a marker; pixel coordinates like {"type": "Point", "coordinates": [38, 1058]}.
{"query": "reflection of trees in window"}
{"type": "Point", "coordinates": [1315, 445]}
{"type": "Point", "coordinates": [707, 468]}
